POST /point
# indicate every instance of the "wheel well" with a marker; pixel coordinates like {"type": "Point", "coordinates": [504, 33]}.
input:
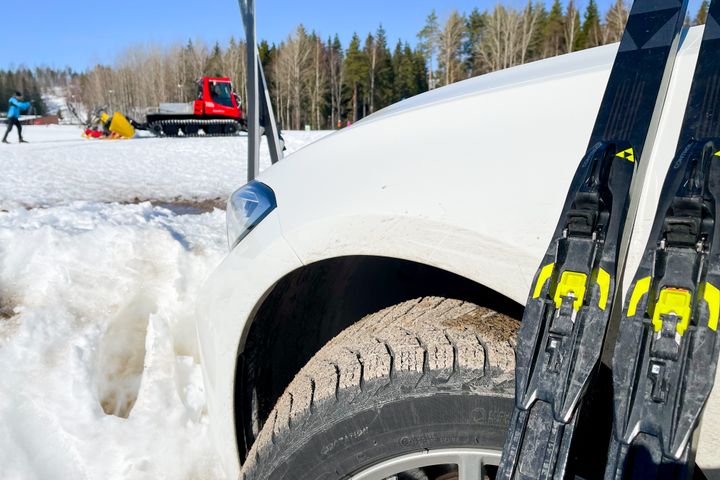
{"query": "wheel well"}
{"type": "Point", "coordinates": [312, 304]}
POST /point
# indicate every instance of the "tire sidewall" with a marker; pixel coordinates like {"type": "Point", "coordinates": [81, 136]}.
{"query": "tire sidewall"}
{"type": "Point", "coordinates": [335, 443]}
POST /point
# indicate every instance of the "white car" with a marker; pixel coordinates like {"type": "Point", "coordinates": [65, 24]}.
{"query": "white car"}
{"type": "Point", "coordinates": [363, 324]}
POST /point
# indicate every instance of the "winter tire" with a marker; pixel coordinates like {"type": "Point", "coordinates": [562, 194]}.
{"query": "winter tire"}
{"type": "Point", "coordinates": [422, 378]}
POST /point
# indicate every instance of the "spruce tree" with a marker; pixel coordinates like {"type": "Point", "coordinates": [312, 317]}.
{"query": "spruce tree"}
{"type": "Point", "coordinates": [214, 64]}
{"type": "Point", "coordinates": [356, 73]}
{"type": "Point", "coordinates": [590, 33]}
{"type": "Point", "coordinates": [368, 99]}
{"type": "Point", "coordinates": [337, 84]}
{"type": "Point", "coordinates": [474, 26]}
{"type": "Point", "coordinates": [383, 71]}
{"type": "Point", "coordinates": [410, 75]}
{"type": "Point", "coordinates": [266, 54]}
{"type": "Point", "coordinates": [399, 74]}
{"type": "Point", "coordinates": [536, 49]}
{"type": "Point", "coordinates": [420, 69]}
{"type": "Point", "coordinates": [554, 31]}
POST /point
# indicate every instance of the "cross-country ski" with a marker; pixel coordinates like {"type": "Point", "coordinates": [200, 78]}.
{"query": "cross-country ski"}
{"type": "Point", "coordinates": [571, 298]}
{"type": "Point", "coordinates": [667, 348]}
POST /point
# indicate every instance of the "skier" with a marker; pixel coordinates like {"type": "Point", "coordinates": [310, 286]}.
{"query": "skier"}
{"type": "Point", "coordinates": [16, 106]}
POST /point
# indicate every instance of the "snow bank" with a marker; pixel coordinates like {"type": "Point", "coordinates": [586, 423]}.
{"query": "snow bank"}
{"type": "Point", "coordinates": [100, 378]}
{"type": "Point", "coordinates": [58, 165]}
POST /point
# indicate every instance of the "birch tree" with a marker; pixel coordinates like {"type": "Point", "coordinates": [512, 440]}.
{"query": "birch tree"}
{"type": "Point", "coordinates": [572, 26]}
{"type": "Point", "coordinates": [615, 21]}
{"type": "Point", "coordinates": [450, 47]}
{"type": "Point", "coordinates": [507, 37]}
{"type": "Point", "coordinates": [318, 80]}
{"type": "Point", "coordinates": [293, 63]}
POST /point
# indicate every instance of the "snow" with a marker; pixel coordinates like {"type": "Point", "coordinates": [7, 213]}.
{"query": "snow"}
{"type": "Point", "coordinates": [100, 374]}
{"type": "Point", "coordinates": [57, 165]}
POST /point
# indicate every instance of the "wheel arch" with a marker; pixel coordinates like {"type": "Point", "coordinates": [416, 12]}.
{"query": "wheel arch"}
{"type": "Point", "coordinates": [312, 304]}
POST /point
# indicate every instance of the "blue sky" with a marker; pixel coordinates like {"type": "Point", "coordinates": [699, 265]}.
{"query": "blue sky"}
{"type": "Point", "coordinates": [81, 33]}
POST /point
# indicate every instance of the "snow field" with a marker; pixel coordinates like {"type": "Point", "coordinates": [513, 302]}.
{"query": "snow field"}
{"type": "Point", "coordinates": [57, 165]}
{"type": "Point", "coordinates": [100, 374]}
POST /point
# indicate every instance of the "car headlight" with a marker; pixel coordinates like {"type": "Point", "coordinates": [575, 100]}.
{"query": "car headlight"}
{"type": "Point", "coordinates": [246, 208]}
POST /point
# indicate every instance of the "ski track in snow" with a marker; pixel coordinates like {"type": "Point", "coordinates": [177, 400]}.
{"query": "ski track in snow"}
{"type": "Point", "coordinates": [100, 375]}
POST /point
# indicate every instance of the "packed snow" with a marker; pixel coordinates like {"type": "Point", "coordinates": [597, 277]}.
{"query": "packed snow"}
{"type": "Point", "coordinates": [100, 374]}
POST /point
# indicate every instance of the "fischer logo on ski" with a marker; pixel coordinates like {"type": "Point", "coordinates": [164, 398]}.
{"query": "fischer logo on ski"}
{"type": "Point", "coordinates": [628, 154]}
{"type": "Point", "coordinates": [561, 337]}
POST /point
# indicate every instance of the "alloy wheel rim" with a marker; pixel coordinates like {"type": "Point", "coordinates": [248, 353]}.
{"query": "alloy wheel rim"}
{"type": "Point", "coordinates": [471, 463]}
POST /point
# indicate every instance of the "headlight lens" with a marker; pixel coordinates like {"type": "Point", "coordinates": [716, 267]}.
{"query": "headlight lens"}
{"type": "Point", "coordinates": [246, 208]}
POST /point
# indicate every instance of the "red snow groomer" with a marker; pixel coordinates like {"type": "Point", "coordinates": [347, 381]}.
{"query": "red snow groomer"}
{"type": "Point", "coordinates": [215, 111]}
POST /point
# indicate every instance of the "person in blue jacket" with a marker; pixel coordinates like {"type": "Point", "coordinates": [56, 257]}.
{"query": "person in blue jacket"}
{"type": "Point", "coordinates": [16, 106]}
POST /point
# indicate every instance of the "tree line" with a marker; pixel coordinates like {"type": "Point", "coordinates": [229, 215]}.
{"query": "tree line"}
{"type": "Point", "coordinates": [322, 83]}
{"type": "Point", "coordinates": [26, 81]}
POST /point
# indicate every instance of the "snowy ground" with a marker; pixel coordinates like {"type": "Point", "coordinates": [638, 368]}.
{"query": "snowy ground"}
{"type": "Point", "coordinates": [58, 165]}
{"type": "Point", "coordinates": [99, 363]}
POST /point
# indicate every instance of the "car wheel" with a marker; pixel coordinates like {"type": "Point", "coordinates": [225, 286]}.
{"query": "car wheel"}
{"type": "Point", "coordinates": [420, 390]}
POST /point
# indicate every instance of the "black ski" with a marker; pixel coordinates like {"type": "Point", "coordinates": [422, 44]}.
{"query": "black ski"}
{"type": "Point", "coordinates": [572, 294]}
{"type": "Point", "coordinates": [667, 349]}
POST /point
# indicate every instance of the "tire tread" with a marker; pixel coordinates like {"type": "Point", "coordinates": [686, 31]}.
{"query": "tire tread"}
{"type": "Point", "coordinates": [429, 342]}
